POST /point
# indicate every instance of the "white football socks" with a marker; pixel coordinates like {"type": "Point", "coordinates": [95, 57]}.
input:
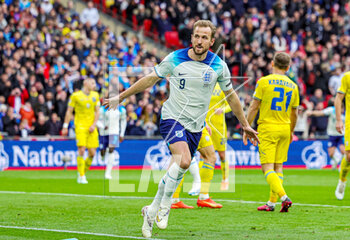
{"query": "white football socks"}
{"type": "Point", "coordinates": [109, 164]}
{"type": "Point", "coordinates": [194, 170]}
{"type": "Point", "coordinates": [174, 176]}
{"type": "Point", "coordinates": [153, 208]}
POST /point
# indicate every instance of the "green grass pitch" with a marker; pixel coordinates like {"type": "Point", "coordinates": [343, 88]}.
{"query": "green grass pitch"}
{"type": "Point", "coordinates": [92, 212]}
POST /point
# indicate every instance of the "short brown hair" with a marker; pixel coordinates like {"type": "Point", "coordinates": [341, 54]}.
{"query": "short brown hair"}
{"type": "Point", "coordinates": [205, 23]}
{"type": "Point", "coordinates": [281, 60]}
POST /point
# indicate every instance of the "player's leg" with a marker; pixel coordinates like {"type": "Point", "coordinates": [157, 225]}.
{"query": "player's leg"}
{"type": "Point", "coordinates": [91, 145]}
{"type": "Point", "coordinates": [344, 166]}
{"type": "Point", "coordinates": [181, 156]}
{"type": "Point", "coordinates": [81, 163]}
{"type": "Point", "coordinates": [176, 203]}
{"type": "Point", "coordinates": [182, 145]}
{"type": "Point", "coordinates": [218, 136]}
{"type": "Point", "coordinates": [332, 144]}
{"type": "Point", "coordinates": [113, 141]}
{"type": "Point", "coordinates": [196, 185]}
{"type": "Point", "coordinates": [344, 170]}
{"type": "Point", "coordinates": [225, 169]}
{"type": "Point", "coordinates": [281, 157]}
{"type": "Point", "coordinates": [81, 139]}
{"type": "Point", "coordinates": [274, 196]}
{"type": "Point", "coordinates": [207, 173]}
{"type": "Point", "coordinates": [109, 162]}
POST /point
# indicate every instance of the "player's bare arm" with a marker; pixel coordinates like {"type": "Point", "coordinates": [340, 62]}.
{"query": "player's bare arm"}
{"type": "Point", "coordinates": [252, 111]}
{"type": "Point", "coordinates": [67, 118]}
{"type": "Point", "coordinates": [293, 121]}
{"type": "Point", "coordinates": [315, 113]}
{"type": "Point", "coordinates": [235, 104]}
{"type": "Point", "coordinates": [337, 104]}
{"type": "Point", "coordinates": [97, 115]}
{"type": "Point", "coordinates": [141, 85]}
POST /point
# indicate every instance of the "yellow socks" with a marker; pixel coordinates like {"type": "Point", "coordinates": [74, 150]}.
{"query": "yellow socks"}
{"type": "Point", "coordinates": [176, 194]}
{"type": "Point", "coordinates": [344, 169]}
{"type": "Point", "coordinates": [225, 168]}
{"type": "Point", "coordinates": [200, 163]}
{"type": "Point", "coordinates": [206, 173]}
{"type": "Point", "coordinates": [275, 183]}
{"type": "Point", "coordinates": [81, 165]}
{"type": "Point", "coordinates": [273, 195]}
{"type": "Point", "coordinates": [88, 162]}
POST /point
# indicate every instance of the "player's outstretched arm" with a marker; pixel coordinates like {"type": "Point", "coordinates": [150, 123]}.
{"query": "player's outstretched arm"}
{"type": "Point", "coordinates": [235, 104]}
{"type": "Point", "coordinates": [337, 104]}
{"type": "Point", "coordinates": [141, 85]}
{"type": "Point", "coordinates": [315, 113]}
{"type": "Point", "coordinates": [67, 119]}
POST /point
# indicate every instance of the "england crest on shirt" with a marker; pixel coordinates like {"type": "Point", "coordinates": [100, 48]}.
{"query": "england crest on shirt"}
{"type": "Point", "coordinates": [207, 77]}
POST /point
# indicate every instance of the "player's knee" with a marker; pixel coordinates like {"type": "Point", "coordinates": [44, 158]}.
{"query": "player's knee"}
{"type": "Point", "coordinates": [185, 162]}
{"type": "Point", "coordinates": [347, 156]}
{"type": "Point", "coordinates": [222, 156]}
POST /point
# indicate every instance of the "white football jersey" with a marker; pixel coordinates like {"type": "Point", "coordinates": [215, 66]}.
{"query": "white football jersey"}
{"type": "Point", "coordinates": [115, 120]}
{"type": "Point", "coordinates": [331, 130]}
{"type": "Point", "coordinates": [191, 85]}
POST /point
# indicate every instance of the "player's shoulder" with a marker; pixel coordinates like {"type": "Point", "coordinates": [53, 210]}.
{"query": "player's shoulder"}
{"type": "Point", "coordinates": [180, 55]}
{"type": "Point", "coordinates": [347, 75]}
{"type": "Point", "coordinates": [76, 94]}
{"type": "Point", "coordinates": [95, 96]}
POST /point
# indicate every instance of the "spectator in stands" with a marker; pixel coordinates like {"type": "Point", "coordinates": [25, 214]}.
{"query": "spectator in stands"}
{"type": "Point", "coordinates": [17, 98]}
{"type": "Point", "coordinates": [10, 122]}
{"type": "Point", "coordinates": [54, 125]}
{"type": "Point", "coordinates": [41, 106]}
{"type": "Point", "coordinates": [24, 129]}
{"type": "Point", "coordinates": [27, 113]}
{"type": "Point", "coordinates": [335, 80]}
{"type": "Point", "coordinates": [90, 14]}
{"type": "Point", "coordinates": [41, 127]}
{"type": "Point", "coordinates": [149, 119]}
{"type": "Point", "coordinates": [163, 24]}
{"type": "Point", "coordinates": [3, 110]}
{"type": "Point", "coordinates": [46, 6]}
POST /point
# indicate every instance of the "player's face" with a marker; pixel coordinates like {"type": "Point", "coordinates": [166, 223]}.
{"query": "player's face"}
{"type": "Point", "coordinates": [92, 85]}
{"type": "Point", "coordinates": [201, 40]}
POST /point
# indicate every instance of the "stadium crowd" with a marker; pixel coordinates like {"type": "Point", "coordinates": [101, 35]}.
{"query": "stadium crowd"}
{"type": "Point", "coordinates": [47, 50]}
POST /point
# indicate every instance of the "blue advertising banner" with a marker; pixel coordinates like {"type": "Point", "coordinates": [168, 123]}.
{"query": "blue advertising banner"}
{"type": "Point", "coordinates": [152, 153]}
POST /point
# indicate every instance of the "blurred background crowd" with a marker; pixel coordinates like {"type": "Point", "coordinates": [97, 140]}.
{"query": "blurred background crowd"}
{"type": "Point", "coordinates": [47, 50]}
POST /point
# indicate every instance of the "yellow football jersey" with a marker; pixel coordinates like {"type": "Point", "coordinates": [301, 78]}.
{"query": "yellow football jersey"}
{"type": "Point", "coordinates": [84, 106]}
{"type": "Point", "coordinates": [217, 101]}
{"type": "Point", "coordinates": [345, 89]}
{"type": "Point", "coordinates": [278, 94]}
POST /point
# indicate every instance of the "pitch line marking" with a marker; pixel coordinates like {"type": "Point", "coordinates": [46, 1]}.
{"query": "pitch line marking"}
{"type": "Point", "coordinates": [75, 232]}
{"type": "Point", "coordinates": [138, 197]}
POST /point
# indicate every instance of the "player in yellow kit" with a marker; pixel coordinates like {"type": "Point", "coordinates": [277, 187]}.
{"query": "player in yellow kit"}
{"type": "Point", "coordinates": [86, 105]}
{"type": "Point", "coordinates": [343, 91]}
{"type": "Point", "coordinates": [217, 123]}
{"type": "Point", "coordinates": [277, 98]}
